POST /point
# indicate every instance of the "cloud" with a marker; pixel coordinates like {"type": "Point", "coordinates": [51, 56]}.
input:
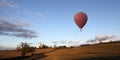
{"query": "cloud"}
{"type": "Point", "coordinates": [105, 37]}
{"type": "Point", "coordinates": [24, 35]}
{"type": "Point", "coordinates": [102, 38]}
{"type": "Point", "coordinates": [15, 28]}
{"type": "Point", "coordinates": [36, 15]}
{"type": "Point", "coordinates": [6, 3]}
{"type": "Point", "coordinates": [91, 40]}
{"type": "Point", "coordinates": [22, 22]}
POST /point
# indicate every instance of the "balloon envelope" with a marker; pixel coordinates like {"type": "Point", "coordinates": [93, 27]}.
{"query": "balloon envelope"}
{"type": "Point", "coordinates": [80, 19]}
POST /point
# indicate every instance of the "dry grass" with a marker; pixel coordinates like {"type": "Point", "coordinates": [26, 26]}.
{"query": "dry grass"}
{"type": "Point", "coordinates": [109, 50]}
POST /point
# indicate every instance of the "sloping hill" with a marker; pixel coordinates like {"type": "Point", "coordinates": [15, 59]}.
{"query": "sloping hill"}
{"type": "Point", "coordinates": [108, 51]}
{"type": "Point", "coordinates": [93, 51]}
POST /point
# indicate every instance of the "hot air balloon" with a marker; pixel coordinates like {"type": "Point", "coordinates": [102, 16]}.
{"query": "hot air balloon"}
{"type": "Point", "coordinates": [80, 19]}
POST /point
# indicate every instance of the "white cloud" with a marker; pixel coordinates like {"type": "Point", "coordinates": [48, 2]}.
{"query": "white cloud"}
{"type": "Point", "coordinates": [6, 3]}
{"type": "Point", "coordinates": [36, 15]}
{"type": "Point", "coordinates": [104, 37]}
{"type": "Point", "coordinates": [15, 28]}
{"type": "Point", "coordinates": [101, 38]}
{"type": "Point", "coordinates": [23, 22]}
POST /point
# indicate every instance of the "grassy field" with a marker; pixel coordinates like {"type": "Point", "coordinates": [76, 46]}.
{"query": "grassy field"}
{"type": "Point", "coordinates": [108, 51]}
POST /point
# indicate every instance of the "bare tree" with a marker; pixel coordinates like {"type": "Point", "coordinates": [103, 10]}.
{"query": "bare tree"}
{"type": "Point", "coordinates": [25, 48]}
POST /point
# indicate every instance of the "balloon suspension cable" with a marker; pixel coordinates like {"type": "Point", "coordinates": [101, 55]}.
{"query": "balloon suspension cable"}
{"type": "Point", "coordinates": [80, 29]}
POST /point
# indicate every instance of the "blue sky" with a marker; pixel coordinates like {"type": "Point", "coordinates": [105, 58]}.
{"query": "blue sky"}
{"type": "Point", "coordinates": [53, 20]}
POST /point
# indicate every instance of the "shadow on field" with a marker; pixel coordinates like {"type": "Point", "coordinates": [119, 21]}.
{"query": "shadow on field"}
{"type": "Point", "coordinates": [32, 57]}
{"type": "Point", "coordinates": [16, 58]}
{"type": "Point", "coordinates": [101, 58]}
{"type": "Point", "coordinates": [40, 56]}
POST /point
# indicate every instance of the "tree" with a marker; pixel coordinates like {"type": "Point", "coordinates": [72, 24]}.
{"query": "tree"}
{"type": "Point", "coordinates": [25, 48]}
{"type": "Point", "coordinates": [18, 48]}
{"type": "Point", "coordinates": [43, 46]}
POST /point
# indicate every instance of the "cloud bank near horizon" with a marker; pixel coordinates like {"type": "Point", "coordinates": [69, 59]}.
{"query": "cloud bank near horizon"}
{"type": "Point", "coordinates": [101, 38]}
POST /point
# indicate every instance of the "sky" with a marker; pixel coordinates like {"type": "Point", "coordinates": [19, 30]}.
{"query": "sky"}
{"type": "Point", "coordinates": [52, 21]}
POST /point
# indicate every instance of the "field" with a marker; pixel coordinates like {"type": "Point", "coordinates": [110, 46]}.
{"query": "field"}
{"type": "Point", "coordinates": [106, 51]}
